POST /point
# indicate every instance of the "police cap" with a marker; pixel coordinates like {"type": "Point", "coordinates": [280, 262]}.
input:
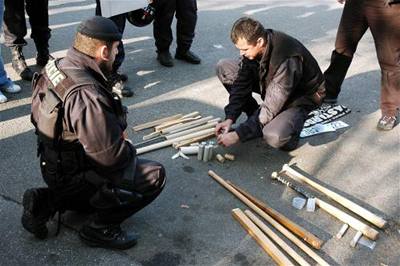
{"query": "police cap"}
{"type": "Point", "coordinates": [100, 28]}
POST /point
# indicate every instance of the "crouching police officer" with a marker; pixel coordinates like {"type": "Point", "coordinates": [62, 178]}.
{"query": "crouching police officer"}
{"type": "Point", "coordinates": [86, 159]}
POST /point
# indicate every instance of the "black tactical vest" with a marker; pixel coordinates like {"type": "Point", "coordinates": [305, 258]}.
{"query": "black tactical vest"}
{"type": "Point", "coordinates": [62, 156]}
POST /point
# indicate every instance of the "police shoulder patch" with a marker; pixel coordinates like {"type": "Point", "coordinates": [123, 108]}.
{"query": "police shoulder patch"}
{"type": "Point", "coordinates": [53, 73]}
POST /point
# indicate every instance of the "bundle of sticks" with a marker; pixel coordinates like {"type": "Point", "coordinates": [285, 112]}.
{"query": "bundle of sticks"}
{"type": "Point", "coordinates": [177, 130]}
{"type": "Point", "coordinates": [263, 234]}
{"type": "Point", "coordinates": [361, 227]}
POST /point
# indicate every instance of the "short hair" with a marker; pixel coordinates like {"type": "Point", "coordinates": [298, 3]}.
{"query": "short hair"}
{"type": "Point", "coordinates": [89, 45]}
{"type": "Point", "coordinates": [248, 29]}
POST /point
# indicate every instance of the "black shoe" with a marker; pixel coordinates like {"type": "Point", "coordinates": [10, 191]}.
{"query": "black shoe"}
{"type": "Point", "coordinates": [189, 57]}
{"type": "Point", "coordinates": [121, 89]}
{"type": "Point", "coordinates": [165, 59]}
{"type": "Point", "coordinates": [19, 64]}
{"type": "Point", "coordinates": [36, 211]}
{"type": "Point", "coordinates": [111, 236]}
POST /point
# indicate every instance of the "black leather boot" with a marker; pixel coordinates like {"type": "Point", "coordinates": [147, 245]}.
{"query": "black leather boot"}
{"type": "Point", "coordinates": [19, 64]}
{"type": "Point", "coordinates": [107, 236]}
{"type": "Point", "coordinates": [37, 211]}
{"type": "Point", "coordinates": [335, 75]}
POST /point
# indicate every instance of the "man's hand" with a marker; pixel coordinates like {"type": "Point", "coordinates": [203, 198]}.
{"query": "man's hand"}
{"type": "Point", "coordinates": [228, 139]}
{"type": "Point", "coordinates": [223, 127]}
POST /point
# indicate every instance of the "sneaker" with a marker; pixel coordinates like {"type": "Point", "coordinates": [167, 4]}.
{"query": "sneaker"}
{"type": "Point", "coordinates": [36, 211]}
{"type": "Point", "coordinates": [12, 88]}
{"type": "Point", "coordinates": [121, 89]}
{"type": "Point", "coordinates": [386, 123]}
{"type": "Point", "coordinates": [165, 59]}
{"type": "Point", "coordinates": [189, 57]}
{"type": "Point", "coordinates": [110, 236]}
{"type": "Point", "coordinates": [3, 98]}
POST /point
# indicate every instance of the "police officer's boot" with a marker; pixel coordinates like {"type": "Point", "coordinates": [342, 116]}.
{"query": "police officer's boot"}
{"type": "Point", "coordinates": [335, 75]}
{"type": "Point", "coordinates": [37, 211]}
{"type": "Point", "coordinates": [107, 236]}
{"type": "Point", "coordinates": [19, 64]}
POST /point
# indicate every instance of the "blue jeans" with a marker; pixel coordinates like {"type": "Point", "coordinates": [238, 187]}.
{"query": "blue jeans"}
{"type": "Point", "coordinates": [4, 80]}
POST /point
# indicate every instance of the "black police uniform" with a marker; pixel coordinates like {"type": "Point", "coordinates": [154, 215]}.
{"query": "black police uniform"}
{"type": "Point", "coordinates": [186, 14]}
{"type": "Point", "coordinates": [15, 24]}
{"type": "Point", "coordinates": [85, 160]}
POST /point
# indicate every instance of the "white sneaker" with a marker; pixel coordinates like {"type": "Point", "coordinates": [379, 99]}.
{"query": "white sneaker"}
{"type": "Point", "coordinates": [13, 88]}
{"type": "Point", "coordinates": [3, 98]}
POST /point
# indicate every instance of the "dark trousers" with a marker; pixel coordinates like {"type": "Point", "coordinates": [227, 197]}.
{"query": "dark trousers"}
{"type": "Point", "coordinates": [107, 202]}
{"type": "Point", "coordinates": [284, 130]}
{"type": "Point", "coordinates": [120, 21]}
{"type": "Point", "coordinates": [186, 15]}
{"type": "Point", "coordinates": [15, 24]}
{"type": "Point", "coordinates": [384, 23]}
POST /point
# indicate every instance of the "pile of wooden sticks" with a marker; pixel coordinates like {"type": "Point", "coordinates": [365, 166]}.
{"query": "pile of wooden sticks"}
{"type": "Point", "coordinates": [263, 234]}
{"type": "Point", "coordinates": [360, 226]}
{"type": "Point", "coordinates": [177, 130]}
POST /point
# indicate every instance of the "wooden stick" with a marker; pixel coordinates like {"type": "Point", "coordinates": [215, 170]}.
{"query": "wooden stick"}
{"type": "Point", "coordinates": [169, 142]}
{"type": "Point", "coordinates": [293, 227]}
{"type": "Point", "coordinates": [274, 223]}
{"type": "Point", "coordinates": [185, 132]}
{"type": "Point", "coordinates": [339, 214]}
{"type": "Point", "coordinates": [179, 121]}
{"type": "Point", "coordinates": [190, 141]}
{"type": "Point", "coordinates": [276, 238]}
{"type": "Point", "coordinates": [152, 135]}
{"type": "Point", "coordinates": [155, 122]}
{"type": "Point", "coordinates": [187, 125]}
{"type": "Point", "coordinates": [260, 238]}
{"type": "Point", "coordinates": [192, 114]}
{"type": "Point", "coordinates": [357, 209]}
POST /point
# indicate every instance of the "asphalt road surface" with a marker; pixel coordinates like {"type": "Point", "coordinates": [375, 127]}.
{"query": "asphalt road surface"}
{"type": "Point", "coordinates": [191, 223]}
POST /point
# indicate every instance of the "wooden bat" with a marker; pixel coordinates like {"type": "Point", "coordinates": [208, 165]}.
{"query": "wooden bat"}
{"type": "Point", "coordinates": [169, 142]}
{"type": "Point", "coordinates": [155, 122]}
{"type": "Point", "coordinates": [268, 218]}
{"type": "Point", "coordinates": [293, 227]}
{"type": "Point", "coordinates": [357, 209]}
{"type": "Point", "coordinates": [276, 238]}
{"type": "Point", "coordinates": [261, 239]}
{"type": "Point", "coordinates": [339, 214]}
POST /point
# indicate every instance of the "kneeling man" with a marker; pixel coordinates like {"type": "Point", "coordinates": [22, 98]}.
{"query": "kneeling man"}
{"type": "Point", "coordinates": [283, 72]}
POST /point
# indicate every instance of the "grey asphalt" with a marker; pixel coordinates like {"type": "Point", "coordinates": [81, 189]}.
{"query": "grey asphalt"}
{"type": "Point", "coordinates": [191, 223]}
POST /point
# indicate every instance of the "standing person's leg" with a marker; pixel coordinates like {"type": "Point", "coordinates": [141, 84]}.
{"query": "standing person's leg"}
{"type": "Point", "coordinates": [384, 22]}
{"type": "Point", "coordinates": [186, 14]}
{"type": "Point", "coordinates": [38, 12]}
{"type": "Point", "coordinates": [14, 33]}
{"type": "Point", "coordinates": [352, 27]}
{"type": "Point", "coordinates": [164, 14]}
{"type": "Point", "coordinates": [227, 72]}
{"type": "Point", "coordinates": [5, 83]}
{"type": "Point", "coordinates": [117, 79]}
{"type": "Point", "coordinates": [284, 130]}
